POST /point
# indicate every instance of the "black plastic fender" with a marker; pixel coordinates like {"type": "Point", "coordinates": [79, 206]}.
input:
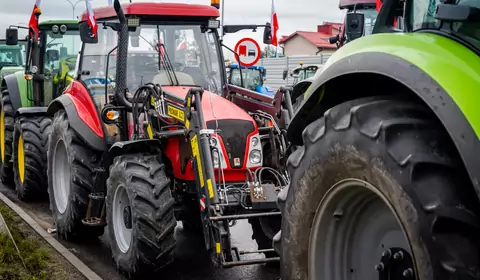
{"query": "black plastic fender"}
{"type": "Point", "coordinates": [25, 111]}
{"type": "Point", "coordinates": [76, 123]}
{"type": "Point", "coordinates": [14, 91]}
{"type": "Point", "coordinates": [148, 146]}
{"type": "Point", "coordinates": [406, 74]}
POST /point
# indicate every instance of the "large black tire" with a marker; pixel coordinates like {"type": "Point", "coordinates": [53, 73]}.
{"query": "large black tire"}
{"type": "Point", "coordinates": [264, 230]}
{"type": "Point", "coordinates": [152, 220]}
{"type": "Point", "coordinates": [400, 148]}
{"type": "Point", "coordinates": [6, 167]}
{"type": "Point", "coordinates": [34, 132]}
{"type": "Point", "coordinates": [81, 160]}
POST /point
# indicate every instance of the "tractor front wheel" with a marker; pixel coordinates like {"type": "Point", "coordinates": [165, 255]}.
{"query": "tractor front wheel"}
{"type": "Point", "coordinates": [30, 156]}
{"type": "Point", "coordinates": [71, 165]}
{"type": "Point", "coordinates": [7, 122]}
{"type": "Point", "coordinates": [378, 191]}
{"type": "Point", "coordinates": [141, 221]}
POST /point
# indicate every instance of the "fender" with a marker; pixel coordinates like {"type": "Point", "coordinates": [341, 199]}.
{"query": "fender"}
{"type": "Point", "coordinates": [441, 72]}
{"type": "Point", "coordinates": [17, 89]}
{"type": "Point", "coordinates": [30, 111]}
{"type": "Point", "coordinates": [150, 146]}
{"type": "Point", "coordinates": [82, 114]}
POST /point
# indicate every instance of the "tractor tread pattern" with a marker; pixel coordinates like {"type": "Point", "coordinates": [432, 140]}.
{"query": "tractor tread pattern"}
{"type": "Point", "coordinates": [82, 161]}
{"type": "Point", "coordinates": [35, 131]}
{"type": "Point", "coordinates": [7, 167]}
{"type": "Point", "coordinates": [414, 141]}
{"type": "Point", "coordinates": [153, 221]}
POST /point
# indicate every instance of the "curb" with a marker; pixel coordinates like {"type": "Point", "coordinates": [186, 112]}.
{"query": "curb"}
{"type": "Point", "coordinates": [69, 256]}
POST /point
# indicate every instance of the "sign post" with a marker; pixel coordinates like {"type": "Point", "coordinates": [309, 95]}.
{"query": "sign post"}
{"type": "Point", "coordinates": [248, 51]}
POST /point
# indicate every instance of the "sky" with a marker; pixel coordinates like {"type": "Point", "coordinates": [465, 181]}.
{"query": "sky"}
{"type": "Point", "coordinates": [297, 15]}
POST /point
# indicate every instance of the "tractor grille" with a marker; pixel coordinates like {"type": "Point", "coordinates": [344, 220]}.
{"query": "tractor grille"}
{"type": "Point", "coordinates": [234, 135]}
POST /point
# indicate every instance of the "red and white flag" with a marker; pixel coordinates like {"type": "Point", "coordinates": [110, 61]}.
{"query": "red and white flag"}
{"type": "Point", "coordinates": [33, 23]}
{"type": "Point", "coordinates": [91, 17]}
{"type": "Point", "coordinates": [274, 22]}
{"type": "Point", "coordinates": [182, 45]}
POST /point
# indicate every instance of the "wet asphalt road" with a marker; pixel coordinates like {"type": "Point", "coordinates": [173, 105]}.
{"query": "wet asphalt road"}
{"type": "Point", "coordinates": [192, 262]}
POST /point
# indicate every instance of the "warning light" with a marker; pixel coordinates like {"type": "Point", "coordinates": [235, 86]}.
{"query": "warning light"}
{"type": "Point", "coordinates": [112, 115]}
{"type": "Point", "coordinates": [215, 3]}
{"type": "Point", "coordinates": [37, 11]}
{"type": "Point", "coordinates": [301, 63]}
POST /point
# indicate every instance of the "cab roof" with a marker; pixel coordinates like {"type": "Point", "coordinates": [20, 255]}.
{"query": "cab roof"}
{"type": "Point", "coordinates": [52, 22]}
{"type": "Point", "coordinates": [255, 67]}
{"type": "Point", "coordinates": [155, 9]}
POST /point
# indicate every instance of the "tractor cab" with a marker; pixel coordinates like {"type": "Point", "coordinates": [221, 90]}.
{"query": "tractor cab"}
{"type": "Point", "coordinates": [359, 21]}
{"type": "Point", "coordinates": [51, 54]}
{"type": "Point", "coordinates": [251, 77]}
{"type": "Point", "coordinates": [12, 55]}
{"type": "Point", "coordinates": [302, 72]}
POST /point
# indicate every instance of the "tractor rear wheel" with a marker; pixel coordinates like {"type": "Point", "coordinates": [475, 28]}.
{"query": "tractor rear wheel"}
{"type": "Point", "coordinates": [7, 122]}
{"type": "Point", "coordinates": [378, 191]}
{"type": "Point", "coordinates": [141, 221]}
{"type": "Point", "coordinates": [71, 165]}
{"type": "Point", "coordinates": [30, 156]}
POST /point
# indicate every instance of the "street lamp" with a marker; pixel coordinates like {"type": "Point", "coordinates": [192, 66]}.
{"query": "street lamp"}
{"type": "Point", "coordinates": [73, 6]}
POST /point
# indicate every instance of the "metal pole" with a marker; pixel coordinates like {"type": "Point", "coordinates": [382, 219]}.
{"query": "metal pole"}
{"type": "Point", "coordinates": [73, 6]}
{"type": "Point", "coordinates": [222, 16]}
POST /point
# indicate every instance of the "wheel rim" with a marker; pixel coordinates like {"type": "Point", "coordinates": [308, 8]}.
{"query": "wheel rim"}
{"type": "Point", "coordinates": [122, 219]}
{"type": "Point", "coordinates": [353, 226]}
{"type": "Point", "coordinates": [61, 176]}
{"type": "Point", "coordinates": [21, 159]}
{"type": "Point", "coordinates": [2, 134]}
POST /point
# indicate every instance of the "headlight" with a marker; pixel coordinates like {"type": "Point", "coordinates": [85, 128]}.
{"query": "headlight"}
{"type": "Point", "coordinates": [216, 158]}
{"type": "Point", "coordinates": [255, 156]}
{"type": "Point", "coordinates": [213, 142]}
{"type": "Point", "coordinates": [254, 141]}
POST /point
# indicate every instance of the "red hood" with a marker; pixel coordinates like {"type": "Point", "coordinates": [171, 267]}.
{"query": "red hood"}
{"type": "Point", "coordinates": [222, 108]}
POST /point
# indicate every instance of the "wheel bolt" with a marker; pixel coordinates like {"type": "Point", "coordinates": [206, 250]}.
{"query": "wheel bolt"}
{"type": "Point", "coordinates": [387, 253]}
{"type": "Point", "coordinates": [380, 266]}
{"type": "Point", "coordinates": [398, 256]}
{"type": "Point", "coordinates": [408, 273]}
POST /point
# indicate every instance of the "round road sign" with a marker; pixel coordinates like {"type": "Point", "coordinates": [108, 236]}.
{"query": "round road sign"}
{"type": "Point", "coordinates": [248, 51]}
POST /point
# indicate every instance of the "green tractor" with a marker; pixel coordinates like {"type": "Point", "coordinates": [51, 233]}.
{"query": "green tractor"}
{"type": "Point", "coordinates": [12, 58]}
{"type": "Point", "coordinates": [385, 181]}
{"type": "Point", "coordinates": [24, 125]}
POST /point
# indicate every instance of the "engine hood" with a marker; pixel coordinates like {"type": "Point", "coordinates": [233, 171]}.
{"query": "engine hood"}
{"type": "Point", "coordinates": [213, 105]}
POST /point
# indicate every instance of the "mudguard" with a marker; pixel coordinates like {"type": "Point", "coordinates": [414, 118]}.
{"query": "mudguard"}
{"type": "Point", "coordinates": [442, 72]}
{"type": "Point", "coordinates": [149, 146]}
{"type": "Point", "coordinates": [82, 114]}
{"type": "Point", "coordinates": [25, 111]}
{"type": "Point", "coordinates": [17, 88]}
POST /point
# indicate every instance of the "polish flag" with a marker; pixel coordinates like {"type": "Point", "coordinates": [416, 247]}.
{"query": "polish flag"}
{"type": "Point", "coordinates": [182, 45]}
{"type": "Point", "coordinates": [33, 23]}
{"type": "Point", "coordinates": [91, 17]}
{"type": "Point", "coordinates": [274, 22]}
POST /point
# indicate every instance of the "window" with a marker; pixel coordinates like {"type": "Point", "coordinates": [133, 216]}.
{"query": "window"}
{"type": "Point", "coordinates": [251, 78]}
{"type": "Point", "coordinates": [61, 52]}
{"type": "Point", "coordinates": [422, 16]}
{"type": "Point", "coordinates": [192, 54]}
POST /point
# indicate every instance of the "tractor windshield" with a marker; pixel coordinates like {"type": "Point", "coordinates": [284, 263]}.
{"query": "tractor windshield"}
{"type": "Point", "coordinates": [251, 78]}
{"type": "Point", "coordinates": [12, 55]}
{"type": "Point", "coordinates": [192, 53]}
{"type": "Point", "coordinates": [422, 16]}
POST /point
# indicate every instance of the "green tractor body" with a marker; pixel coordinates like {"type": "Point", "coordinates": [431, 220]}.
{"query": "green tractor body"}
{"type": "Point", "coordinates": [386, 172]}
{"type": "Point", "coordinates": [47, 69]}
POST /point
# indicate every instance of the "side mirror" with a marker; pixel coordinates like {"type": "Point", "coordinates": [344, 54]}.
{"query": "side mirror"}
{"type": "Point", "coordinates": [354, 25]}
{"type": "Point", "coordinates": [12, 37]}
{"type": "Point", "coordinates": [86, 34]}
{"type": "Point", "coordinates": [267, 39]}
{"type": "Point", "coordinates": [53, 55]}
{"type": "Point", "coordinates": [333, 39]}
{"type": "Point", "coordinates": [285, 74]}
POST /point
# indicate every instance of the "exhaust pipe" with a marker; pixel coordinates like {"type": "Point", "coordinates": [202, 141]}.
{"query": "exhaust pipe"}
{"type": "Point", "coordinates": [122, 52]}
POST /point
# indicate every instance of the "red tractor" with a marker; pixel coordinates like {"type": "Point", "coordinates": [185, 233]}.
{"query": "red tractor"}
{"type": "Point", "coordinates": [192, 154]}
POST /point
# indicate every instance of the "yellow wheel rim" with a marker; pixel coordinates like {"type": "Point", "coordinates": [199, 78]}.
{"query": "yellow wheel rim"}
{"type": "Point", "coordinates": [21, 159]}
{"type": "Point", "coordinates": [2, 135]}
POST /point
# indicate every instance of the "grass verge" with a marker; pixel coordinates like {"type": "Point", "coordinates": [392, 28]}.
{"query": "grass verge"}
{"type": "Point", "coordinates": [42, 262]}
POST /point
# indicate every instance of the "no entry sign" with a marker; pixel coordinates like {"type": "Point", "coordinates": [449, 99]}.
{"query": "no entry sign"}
{"type": "Point", "coordinates": [248, 52]}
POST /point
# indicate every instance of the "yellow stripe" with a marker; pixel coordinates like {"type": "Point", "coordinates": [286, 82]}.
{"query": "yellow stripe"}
{"type": "Point", "coordinates": [218, 248]}
{"type": "Point", "coordinates": [210, 188]}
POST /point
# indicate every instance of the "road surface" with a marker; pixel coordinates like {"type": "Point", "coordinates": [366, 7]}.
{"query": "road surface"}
{"type": "Point", "coordinates": [192, 262]}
